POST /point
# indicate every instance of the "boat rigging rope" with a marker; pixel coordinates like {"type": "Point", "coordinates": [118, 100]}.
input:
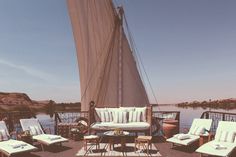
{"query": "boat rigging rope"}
{"type": "Point", "coordinates": [135, 51]}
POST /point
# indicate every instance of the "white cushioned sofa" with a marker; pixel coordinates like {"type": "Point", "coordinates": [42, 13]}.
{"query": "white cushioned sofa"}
{"type": "Point", "coordinates": [132, 119]}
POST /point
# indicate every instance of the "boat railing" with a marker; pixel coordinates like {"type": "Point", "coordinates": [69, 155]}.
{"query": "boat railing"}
{"type": "Point", "coordinates": [12, 118]}
{"type": "Point", "coordinates": [68, 117]}
{"type": "Point", "coordinates": [218, 116]}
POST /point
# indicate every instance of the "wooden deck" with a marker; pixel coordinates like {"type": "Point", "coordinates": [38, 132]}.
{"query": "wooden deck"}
{"type": "Point", "coordinates": [70, 148]}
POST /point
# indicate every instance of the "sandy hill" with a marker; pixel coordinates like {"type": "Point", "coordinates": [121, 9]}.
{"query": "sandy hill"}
{"type": "Point", "coordinates": [15, 99]}
{"type": "Point", "coordinates": [20, 101]}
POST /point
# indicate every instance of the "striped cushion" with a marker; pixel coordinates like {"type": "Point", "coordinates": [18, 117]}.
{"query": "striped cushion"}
{"type": "Point", "coordinates": [105, 116]}
{"type": "Point", "coordinates": [120, 117]}
{"type": "Point", "coordinates": [4, 135]}
{"type": "Point", "coordinates": [135, 116]}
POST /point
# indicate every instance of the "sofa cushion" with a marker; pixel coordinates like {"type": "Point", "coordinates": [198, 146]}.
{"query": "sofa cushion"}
{"type": "Point", "coordinates": [125, 126]}
{"type": "Point", "coordinates": [127, 109]}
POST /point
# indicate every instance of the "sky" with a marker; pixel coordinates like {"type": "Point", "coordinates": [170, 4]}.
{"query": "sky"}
{"type": "Point", "coordinates": [187, 47]}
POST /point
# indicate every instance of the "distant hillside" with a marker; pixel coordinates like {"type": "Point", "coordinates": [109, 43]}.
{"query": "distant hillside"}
{"type": "Point", "coordinates": [22, 102]}
{"type": "Point", "coordinates": [226, 104]}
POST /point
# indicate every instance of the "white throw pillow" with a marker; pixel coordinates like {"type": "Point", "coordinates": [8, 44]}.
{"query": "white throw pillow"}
{"type": "Point", "coordinates": [98, 112]}
{"type": "Point", "coordinates": [102, 116]}
{"type": "Point", "coordinates": [223, 136]}
{"type": "Point", "coordinates": [107, 116]}
{"type": "Point", "coordinates": [231, 136]}
{"type": "Point", "coordinates": [143, 111]}
{"type": "Point", "coordinates": [131, 115]}
{"type": "Point", "coordinates": [135, 116]}
{"type": "Point", "coordinates": [120, 117]}
{"type": "Point", "coordinates": [4, 135]}
{"type": "Point", "coordinates": [111, 112]}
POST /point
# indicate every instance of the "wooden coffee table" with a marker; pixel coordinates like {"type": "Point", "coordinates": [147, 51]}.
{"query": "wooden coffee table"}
{"type": "Point", "coordinates": [116, 139]}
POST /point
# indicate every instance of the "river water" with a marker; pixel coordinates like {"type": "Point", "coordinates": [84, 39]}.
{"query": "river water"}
{"type": "Point", "coordinates": [186, 115]}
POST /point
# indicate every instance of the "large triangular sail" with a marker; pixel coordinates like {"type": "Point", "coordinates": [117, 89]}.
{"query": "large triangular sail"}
{"type": "Point", "coordinates": [107, 68]}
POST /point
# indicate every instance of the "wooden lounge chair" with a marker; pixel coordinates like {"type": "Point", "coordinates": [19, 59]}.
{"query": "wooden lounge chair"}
{"type": "Point", "coordinates": [198, 127]}
{"type": "Point", "coordinates": [38, 134]}
{"type": "Point", "coordinates": [224, 142]}
{"type": "Point", "coordinates": [9, 146]}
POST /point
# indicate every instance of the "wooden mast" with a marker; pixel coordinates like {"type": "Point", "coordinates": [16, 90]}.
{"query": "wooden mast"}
{"type": "Point", "coordinates": [120, 58]}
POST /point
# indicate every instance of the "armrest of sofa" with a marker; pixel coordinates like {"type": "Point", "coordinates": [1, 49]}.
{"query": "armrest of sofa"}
{"type": "Point", "coordinates": [91, 118]}
{"type": "Point", "coordinates": [149, 117]}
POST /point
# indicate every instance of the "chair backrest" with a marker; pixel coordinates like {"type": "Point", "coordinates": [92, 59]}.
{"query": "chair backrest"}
{"type": "Point", "coordinates": [225, 126]}
{"type": "Point", "coordinates": [3, 126]}
{"type": "Point", "coordinates": [26, 123]}
{"type": "Point", "coordinates": [206, 123]}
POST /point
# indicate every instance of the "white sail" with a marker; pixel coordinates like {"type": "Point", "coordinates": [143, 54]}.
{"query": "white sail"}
{"type": "Point", "coordinates": [107, 68]}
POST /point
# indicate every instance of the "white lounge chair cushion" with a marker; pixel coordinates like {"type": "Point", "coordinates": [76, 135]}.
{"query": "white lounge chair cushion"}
{"type": "Point", "coordinates": [200, 123]}
{"type": "Point", "coordinates": [182, 136]}
{"type": "Point", "coordinates": [197, 130]}
{"type": "Point", "coordinates": [11, 147]}
{"type": "Point", "coordinates": [49, 139]}
{"type": "Point", "coordinates": [223, 136]}
{"type": "Point", "coordinates": [231, 136]}
{"type": "Point", "coordinates": [4, 135]}
{"type": "Point", "coordinates": [126, 126]}
{"type": "Point", "coordinates": [184, 142]}
{"type": "Point", "coordinates": [210, 149]}
{"type": "Point", "coordinates": [35, 130]}
{"type": "Point", "coordinates": [218, 146]}
{"type": "Point", "coordinates": [200, 131]}
{"type": "Point", "coordinates": [226, 136]}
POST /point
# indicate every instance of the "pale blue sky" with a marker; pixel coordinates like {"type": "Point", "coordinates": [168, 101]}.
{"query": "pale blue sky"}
{"type": "Point", "coordinates": [188, 48]}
